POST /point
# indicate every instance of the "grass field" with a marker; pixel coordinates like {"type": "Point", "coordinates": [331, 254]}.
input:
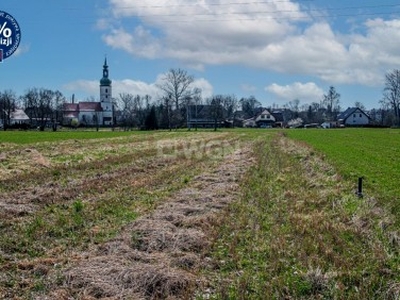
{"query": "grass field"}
{"type": "Point", "coordinates": [28, 137]}
{"type": "Point", "coordinates": [236, 214]}
{"type": "Point", "coordinates": [369, 153]}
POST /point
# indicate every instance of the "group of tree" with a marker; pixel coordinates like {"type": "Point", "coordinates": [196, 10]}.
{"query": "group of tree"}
{"type": "Point", "coordinates": [42, 105]}
{"type": "Point", "coordinates": [177, 93]}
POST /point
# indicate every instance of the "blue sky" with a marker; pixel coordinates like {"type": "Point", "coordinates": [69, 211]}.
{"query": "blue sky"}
{"type": "Point", "coordinates": [276, 50]}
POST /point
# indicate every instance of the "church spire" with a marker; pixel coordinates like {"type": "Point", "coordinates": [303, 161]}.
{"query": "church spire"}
{"type": "Point", "coordinates": [105, 88]}
{"type": "Point", "coordinates": [105, 81]}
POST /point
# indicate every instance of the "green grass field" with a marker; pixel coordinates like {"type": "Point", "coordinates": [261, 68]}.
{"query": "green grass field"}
{"type": "Point", "coordinates": [370, 153]}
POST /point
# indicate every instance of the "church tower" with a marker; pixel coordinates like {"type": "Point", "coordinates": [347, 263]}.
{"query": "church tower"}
{"type": "Point", "coordinates": [106, 96]}
{"type": "Point", "coordinates": [105, 85]}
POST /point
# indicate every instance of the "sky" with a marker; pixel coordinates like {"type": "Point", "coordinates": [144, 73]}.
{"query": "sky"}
{"type": "Point", "coordinates": [274, 50]}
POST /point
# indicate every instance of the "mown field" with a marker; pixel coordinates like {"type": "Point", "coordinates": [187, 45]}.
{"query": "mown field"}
{"type": "Point", "coordinates": [237, 214]}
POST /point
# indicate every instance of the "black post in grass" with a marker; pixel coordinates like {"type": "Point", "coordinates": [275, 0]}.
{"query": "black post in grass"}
{"type": "Point", "coordinates": [360, 187]}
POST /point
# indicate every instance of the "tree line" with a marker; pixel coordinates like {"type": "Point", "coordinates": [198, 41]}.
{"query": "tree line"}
{"type": "Point", "coordinates": [177, 93]}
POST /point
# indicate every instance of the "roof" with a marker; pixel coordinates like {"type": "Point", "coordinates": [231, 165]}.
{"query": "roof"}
{"type": "Point", "coordinates": [278, 115]}
{"type": "Point", "coordinates": [19, 114]}
{"type": "Point", "coordinates": [268, 117]}
{"type": "Point", "coordinates": [82, 106]}
{"type": "Point", "coordinates": [71, 107]}
{"type": "Point", "coordinates": [90, 106]}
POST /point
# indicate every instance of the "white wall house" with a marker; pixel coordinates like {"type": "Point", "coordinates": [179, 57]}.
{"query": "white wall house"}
{"type": "Point", "coordinates": [18, 116]}
{"type": "Point", "coordinates": [265, 119]}
{"type": "Point", "coordinates": [354, 116]}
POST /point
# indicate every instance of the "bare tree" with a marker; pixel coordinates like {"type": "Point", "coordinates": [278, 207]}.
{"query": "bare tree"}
{"type": "Point", "coordinates": [230, 105]}
{"type": "Point", "coordinates": [359, 105]}
{"type": "Point", "coordinates": [166, 111]}
{"type": "Point", "coordinates": [216, 109]}
{"type": "Point", "coordinates": [249, 106]}
{"type": "Point", "coordinates": [7, 106]}
{"type": "Point", "coordinates": [58, 104]}
{"type": "Point", "coordinates": [391, 92]}
{"type": "Point", "coordinates": [294, 105]}
{"type": "Point", "coordinates": [176, 84]}
{"type": "Point", "coordinates": [332, 102]}
{"type": "Point", "coordinates": [127, 106]}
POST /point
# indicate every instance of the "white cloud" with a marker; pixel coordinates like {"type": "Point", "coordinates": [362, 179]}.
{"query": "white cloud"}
{"type": "Point", "coordinates": [206, 88]}
{"type": "Point", "coordinates": [274, 36]}
{"type": "Point", "coordinates": [86, 89]}
{"type": "Point", "coordinates": [200, 33]}
{"type": "Point", "coordinates": [307, 92]}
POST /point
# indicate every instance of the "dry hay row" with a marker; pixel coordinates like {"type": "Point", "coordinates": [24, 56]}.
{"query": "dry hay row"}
{"type": "Point", "coordinates": [31, 268]}
{"type": "Point", "coordinates": [157, 256]}
{"type": "Point", "coordinates": [132, 172]}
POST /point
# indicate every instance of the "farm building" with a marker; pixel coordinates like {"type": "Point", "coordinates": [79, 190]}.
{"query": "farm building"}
{"type": "Point", "coordinates": [93, 113]}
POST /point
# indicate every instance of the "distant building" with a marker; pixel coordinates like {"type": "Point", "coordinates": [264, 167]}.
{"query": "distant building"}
{"type": "Point", "coordinates": [93, 113]}
{"type": "Point", "coordinates": [17, 117]}
{"type": "Point", "coordinates": [354, 116]}
{"type": "Point", "coordinates": [265, 119]}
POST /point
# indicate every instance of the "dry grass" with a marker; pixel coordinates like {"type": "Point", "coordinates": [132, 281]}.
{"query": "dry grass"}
{"type": "Point", "coordinates": [157, 256]}
{"type": "Point", "coordinates": [72, 243]}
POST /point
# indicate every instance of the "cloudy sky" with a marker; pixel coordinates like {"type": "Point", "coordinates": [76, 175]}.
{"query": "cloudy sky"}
{"type": "Point", "coordinates": [276, 50]}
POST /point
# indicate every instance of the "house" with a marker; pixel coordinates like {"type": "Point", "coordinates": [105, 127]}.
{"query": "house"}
{"type": "Point", "coordinates": [265, 119]}
{"type": "Point", "coordinates": [354, 116]}
{"type": "Point", "coordinates": [17, 117]}
{"type": "Point", "coordinates": [93, 113]}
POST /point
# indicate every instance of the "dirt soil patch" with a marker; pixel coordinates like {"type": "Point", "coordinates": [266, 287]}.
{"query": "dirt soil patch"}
{"type": "Point", "coordinates": [158, 255]}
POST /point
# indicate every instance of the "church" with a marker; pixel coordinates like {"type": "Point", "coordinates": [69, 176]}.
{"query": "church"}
{"type": "Point", "coordinates": [92, 113]}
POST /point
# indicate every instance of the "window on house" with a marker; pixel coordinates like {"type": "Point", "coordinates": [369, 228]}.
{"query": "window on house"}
{"type": "Point", "coordinates": [354, 115]}
{"type": "Point", "coordinates": [360, 115]}
{"type": "Point", "coordinates": [106, 90]}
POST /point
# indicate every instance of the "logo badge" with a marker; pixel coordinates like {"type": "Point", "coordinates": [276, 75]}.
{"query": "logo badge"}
{"type": "Point", "coordinates": [10, 35]}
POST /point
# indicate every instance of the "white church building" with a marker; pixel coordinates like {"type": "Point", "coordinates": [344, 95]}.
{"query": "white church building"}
{"type": "Point", "coordinates": [93, 113]}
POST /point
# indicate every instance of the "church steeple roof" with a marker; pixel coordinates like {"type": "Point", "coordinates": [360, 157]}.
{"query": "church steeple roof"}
{"type": "Point", "coordinates": [105, 81]}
